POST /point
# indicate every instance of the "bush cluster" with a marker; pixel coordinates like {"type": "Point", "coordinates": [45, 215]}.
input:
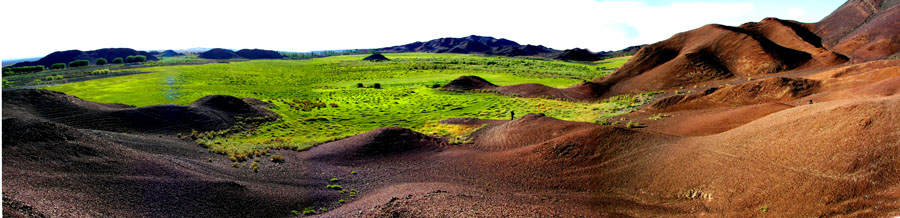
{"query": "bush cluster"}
{"type": "Point", "coordinates": [51, 78]}
{"type": "Point", "coordinates": [58, 66]}
{"type": "Point", "coordinates": [118, 61]}
{"type": "Point", "coordinates": [97, 72]}
{"type": "Point", "coordinates": [375, 86]}
{"type": "Point", "coordinates": [79, 63]}
{"type": "Point", "coordinates": [100, 61]}
{"type": "Point", "coordinates": [21, 70]}
{"type": "Point", "coordinates": [135, 59]}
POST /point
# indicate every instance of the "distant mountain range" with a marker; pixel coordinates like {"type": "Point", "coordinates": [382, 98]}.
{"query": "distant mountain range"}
{"type": "Point", "coordinates": [502, 47]}
{"type": "Point", "coordinates": [466, 45]}
{"type": "Point", "coordinates": [71, 55]}
{"type": "Point", "coordinates": [10, 62]}
{"type": "Point", "coordinates": [221, 53]}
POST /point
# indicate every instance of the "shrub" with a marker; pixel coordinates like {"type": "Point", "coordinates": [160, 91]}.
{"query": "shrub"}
{"type": "Point", "coordinates": [255, 166]}
{"type": "Point", "coordinates": [277, 158]}
{"type": "Point", "coordinates": [604, 122]}
{"type": "Point", "coordinates": [295, 212]}
{"type": "Point", "coordinates": [48, 78]}
{"type": "Point", "coordinates": [135, 59]}
{"type": "Point", "coordinates": [376, 85]}
{"type": "Point", "coordinates": [100, 61]}
{"type": "Point", "coordinates": [353, 172]}
{"type": "Point", "coordinates": [21, 70]}
{"type": "Point", "coordinates": [353, 193]}
{"type": "Point", "coordinates": [79, 63]}
{"type": "Point", "coordinates": [333, 179]}
{"type": "Point", "coordinates": [630, 124]}
{"type": "Point", "coordinates": [764, 209]}
{"type": "Point", "coordinates": [102, 71]}
{"type": "Point", "coordinates": [334, 187]}
{"type": "Point", "coordinates": [118, 61]}
{"type": "Point", "coordinates": [341, 201]}
{"type": "Point", "coordinates": [59, 77]}
{"type": "Point", "coordinates": [58, 66]}
{"type": "Point", "coordinates": [309, 211]}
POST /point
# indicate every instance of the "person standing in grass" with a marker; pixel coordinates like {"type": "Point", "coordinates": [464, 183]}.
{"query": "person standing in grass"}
{"type": "Point", "coordinates": [512, 115]}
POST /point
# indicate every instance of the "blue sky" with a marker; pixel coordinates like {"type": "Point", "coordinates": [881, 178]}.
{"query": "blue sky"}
{"type": "Point", "coordinates": [292, 25]}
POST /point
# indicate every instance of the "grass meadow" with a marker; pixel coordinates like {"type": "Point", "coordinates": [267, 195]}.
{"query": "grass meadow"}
{"type": "Point", "coordinates": [319, 100]}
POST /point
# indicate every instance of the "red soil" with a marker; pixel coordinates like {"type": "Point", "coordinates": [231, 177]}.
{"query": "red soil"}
{"type": "Point", "coordinates": [830, 158]}
{"type": "Point", "coordinates": [581, 91]}
{"type": "Point", "coordinates": [863, 29]}
{"type": "Point", "coordinates": [754, 148]}
{"type": "Point", "coordinates": [700, 122]}
{"type": "Point", "coordinates": [716, 52]}
{"type": "Point", "coordinates": [776, 89]}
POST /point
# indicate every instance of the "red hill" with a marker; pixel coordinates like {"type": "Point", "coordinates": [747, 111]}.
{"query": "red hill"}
{"type": "Point", "coordinates": [715, 52]}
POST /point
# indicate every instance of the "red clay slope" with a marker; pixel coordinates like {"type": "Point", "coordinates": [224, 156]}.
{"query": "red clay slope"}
{"type": "Point", "coordinates": [863, 29]}
{"type": "Point", "coordinates": [827, 159]}
{"type": "Point", "coordinates": [715, 52]}
{"type": "Point", "coordinates": [776, 89]}
{"type": "Point", "coordinates": [580, 91]}
{"type": "Point", "coordinates": [797, 36]}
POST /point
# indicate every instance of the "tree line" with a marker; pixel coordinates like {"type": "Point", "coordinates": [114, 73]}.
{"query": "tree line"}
{"type": "Point", "coordinates": [76, 63]}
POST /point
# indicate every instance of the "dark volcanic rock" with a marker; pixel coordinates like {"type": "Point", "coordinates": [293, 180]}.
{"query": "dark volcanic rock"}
{"type": "Point", "coordinates": [577, 54]}
{"type": "Point", "coordinates": [630, 50]}
{"type": "Point", "coordinates": [259, 54]}
{"type": "Point", "coordinates": [71, 55]}
{"type": "Point", "coordinates": [523, 50]}
{"type": "Point", "coordinates": [214, 112]}
{"type": "Point", "coordinates": [472, 45]}
{"type": "Point", "coordinates": [219, 53]}
{"type": "Point", "coordinates": [376, 57]}
{"type": "Point", "coordinates": [466, 83]}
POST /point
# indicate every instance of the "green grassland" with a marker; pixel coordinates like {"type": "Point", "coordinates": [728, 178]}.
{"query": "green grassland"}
{"type": "Point", "coordinates": [75, 74]}
{"type": "Point", "coordinates": [319, 100]}
{"type": "Point", "coordinates": [612, 63]}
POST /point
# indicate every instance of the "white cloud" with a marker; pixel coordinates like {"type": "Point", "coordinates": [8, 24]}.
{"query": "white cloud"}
{"type": "Point", "coordinates": [344, 24]}
{"type": "Point", "coordinates": [796, 13]}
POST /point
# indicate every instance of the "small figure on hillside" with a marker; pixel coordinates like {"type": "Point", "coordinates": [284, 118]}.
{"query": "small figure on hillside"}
{"type": "Point", "coordinates": [512, 115]}
{"type": "Point", "coordinates": [810, 101]}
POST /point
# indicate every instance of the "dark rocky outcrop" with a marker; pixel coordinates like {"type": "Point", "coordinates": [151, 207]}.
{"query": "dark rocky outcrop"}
{"type": "Point", "coordinates": [71, 55]}
{"type": "Point", "coordinates": [259, 54]}
{"type": "Point", "coordinates": [219, 53]}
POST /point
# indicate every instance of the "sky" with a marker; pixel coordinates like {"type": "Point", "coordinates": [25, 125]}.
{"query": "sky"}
{"type": "Point", "coordinates": [34, 28]}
